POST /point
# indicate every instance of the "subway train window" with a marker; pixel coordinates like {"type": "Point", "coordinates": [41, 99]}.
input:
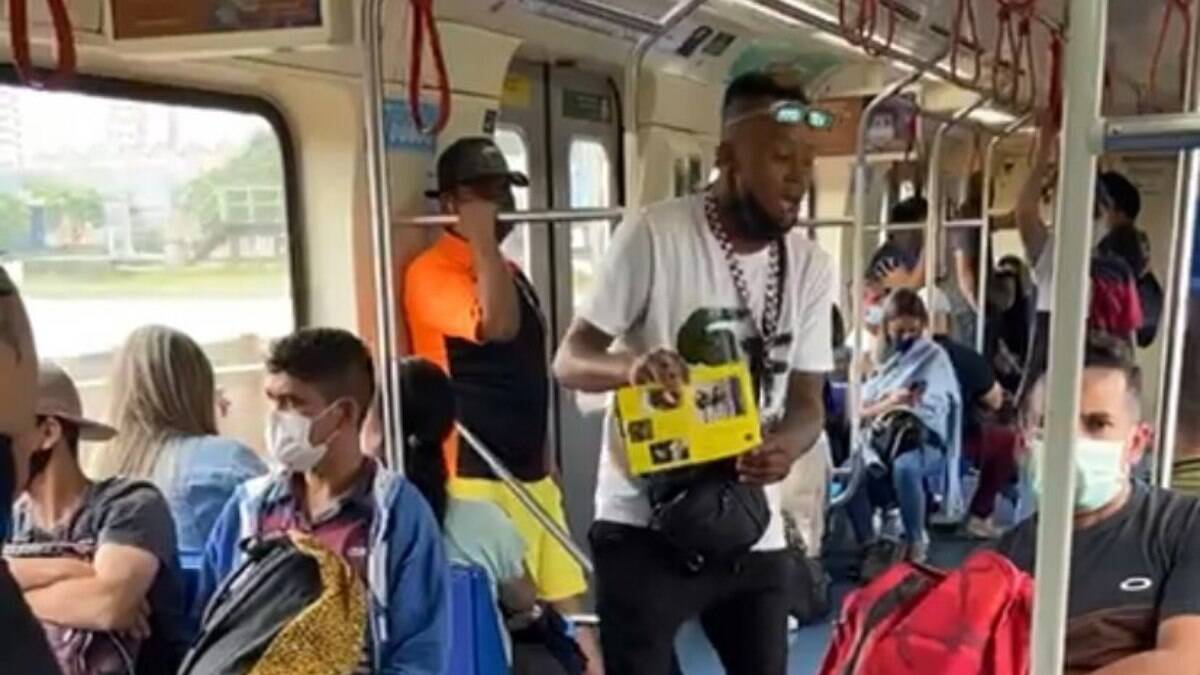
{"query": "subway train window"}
{"type": "Point", "coordinates": [591, 172]}
{"type": "Point", "coordinates": [118, 213]}
{"type": "Point", "coordinates": [511, 141]}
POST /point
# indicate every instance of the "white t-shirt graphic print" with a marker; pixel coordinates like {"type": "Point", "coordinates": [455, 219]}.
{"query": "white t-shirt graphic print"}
{"type": "Point", "coordinates": [665, 284]}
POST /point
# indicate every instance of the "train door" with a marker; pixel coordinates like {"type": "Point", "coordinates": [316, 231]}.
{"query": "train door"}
{"type": "Point", "coordinates": [567, 122]}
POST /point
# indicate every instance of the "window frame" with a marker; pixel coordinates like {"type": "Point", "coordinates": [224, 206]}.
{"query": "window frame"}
{"type": "Point", "coordinates": [194, 97]}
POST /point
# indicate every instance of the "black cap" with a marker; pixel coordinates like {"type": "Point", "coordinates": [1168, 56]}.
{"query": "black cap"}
{"type": "Point", "coordinates": [468, 160]}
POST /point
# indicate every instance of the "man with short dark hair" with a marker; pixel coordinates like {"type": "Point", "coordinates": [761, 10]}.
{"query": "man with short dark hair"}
{"type": "Point", "coordinates": [1134, 599]}
{"type": "Point", "coordinates": [320, 382]}
{"type": "Point", "coordinates": [95, 556]}
{"type": "Point", "coordinates": [23, 647]}
{"type": "Point", "coordinates": [722, 277]}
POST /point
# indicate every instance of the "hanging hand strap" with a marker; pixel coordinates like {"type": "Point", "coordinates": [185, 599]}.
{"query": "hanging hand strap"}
{"type": "Point", "coordinates": [18, 29]}
{"type": "Point", "coordinates": [423, 21]}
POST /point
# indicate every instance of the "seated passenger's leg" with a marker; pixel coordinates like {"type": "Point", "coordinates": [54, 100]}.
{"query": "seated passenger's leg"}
{"type": "Point", "coordinates": [860, 509]}
{"type": "Point", "coordinates": [749, 629]}
{"type": "Point", "coordinates": [908, 477]}
{"type": "Point", "coordinates": [643, 596]}
{"type": "Point", "coordinates": [995, 453]}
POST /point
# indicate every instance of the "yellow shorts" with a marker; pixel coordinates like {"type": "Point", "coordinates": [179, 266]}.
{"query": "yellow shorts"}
{"type": "Point", "coordinates": [555, 572]}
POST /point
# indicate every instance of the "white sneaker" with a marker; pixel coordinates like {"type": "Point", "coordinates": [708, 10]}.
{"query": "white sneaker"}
{"type": "Point", "coordinates": [982, 528]}
{"type": "Point", "coordinates": [918, 551]}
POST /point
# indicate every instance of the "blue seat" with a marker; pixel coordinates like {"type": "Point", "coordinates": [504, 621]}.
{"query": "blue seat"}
{"type": "Point", "coordinates": [476, 646]}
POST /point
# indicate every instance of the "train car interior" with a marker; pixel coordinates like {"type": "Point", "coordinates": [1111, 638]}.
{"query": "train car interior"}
{"type": "Point", "coordinates": [238, 169]}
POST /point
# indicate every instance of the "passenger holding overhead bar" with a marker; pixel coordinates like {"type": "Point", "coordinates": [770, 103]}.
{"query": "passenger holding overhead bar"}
{"type": "Point", "coordinates": [475, 314]}
{"type": "Point", "coordinates": [717, 278]}
{"type": "Point", "coordinates": [1118, 256]}
{"type": "Point", "coordinates": [1134, 597]}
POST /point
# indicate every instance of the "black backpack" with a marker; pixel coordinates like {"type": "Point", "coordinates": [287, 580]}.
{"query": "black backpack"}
{"type": "Point", "coordinates": [275, 583]}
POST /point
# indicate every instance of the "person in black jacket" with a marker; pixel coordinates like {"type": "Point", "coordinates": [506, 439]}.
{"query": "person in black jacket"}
{"type": "Point", "coordinates": [23, 647]}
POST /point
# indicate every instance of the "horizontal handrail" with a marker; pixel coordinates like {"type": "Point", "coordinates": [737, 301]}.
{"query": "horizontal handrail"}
{"type": "Point", "coordinates": [518, 217]}
{"type": "Point", "coordinates": [606, 11]}
{"type": "Point", "coordinates": [527, 500]}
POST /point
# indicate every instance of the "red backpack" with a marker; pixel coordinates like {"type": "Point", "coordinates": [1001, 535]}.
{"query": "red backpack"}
{"type": "Point", "coordinates": [914, 620]}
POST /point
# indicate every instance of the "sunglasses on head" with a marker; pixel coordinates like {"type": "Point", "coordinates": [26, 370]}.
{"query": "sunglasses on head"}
{"type": "Point", "coordinates": [791, 113]}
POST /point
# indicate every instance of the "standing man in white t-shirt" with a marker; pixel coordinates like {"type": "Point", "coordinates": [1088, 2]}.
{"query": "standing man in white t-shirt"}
{"type": "Point", "coordinates": [714, 278]}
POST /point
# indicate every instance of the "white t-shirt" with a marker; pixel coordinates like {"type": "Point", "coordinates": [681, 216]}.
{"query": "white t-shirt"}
{"type": "Point", "coordinates": [1043, 277]}
{"type": "Point", "coordinates": [665, 269]}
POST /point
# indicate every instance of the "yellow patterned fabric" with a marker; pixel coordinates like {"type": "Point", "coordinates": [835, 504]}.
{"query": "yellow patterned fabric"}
{"type": "Point", "coordinates": [328, 637]}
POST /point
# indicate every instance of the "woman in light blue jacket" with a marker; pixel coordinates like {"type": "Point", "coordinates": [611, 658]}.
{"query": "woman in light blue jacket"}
{"type": "Point", "coordinates": [164, 409]}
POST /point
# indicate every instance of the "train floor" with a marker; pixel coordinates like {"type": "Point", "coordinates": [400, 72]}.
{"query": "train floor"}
{"type": "Point", "coordinates": [807, 645]}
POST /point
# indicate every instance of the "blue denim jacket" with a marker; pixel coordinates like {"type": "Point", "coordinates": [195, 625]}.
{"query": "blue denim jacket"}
{"type": "Point", "coordinates": [408, 576]}
{"type": "Point", "coordinates": [197, 475]}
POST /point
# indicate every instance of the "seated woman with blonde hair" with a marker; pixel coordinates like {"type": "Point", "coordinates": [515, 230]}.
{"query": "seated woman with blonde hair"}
{"type": "Point", "coordinates": [164, 408]}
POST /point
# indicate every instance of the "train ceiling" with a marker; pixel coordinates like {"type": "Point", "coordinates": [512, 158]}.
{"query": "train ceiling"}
{"type": "Point", "coordinates": [1135, 29]}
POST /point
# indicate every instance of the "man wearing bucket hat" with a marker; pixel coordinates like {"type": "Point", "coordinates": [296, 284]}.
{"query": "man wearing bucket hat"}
{"type": "Point", "coordinates": [94, 556]}
{"type": "Point", "coordinates": [474, 313]}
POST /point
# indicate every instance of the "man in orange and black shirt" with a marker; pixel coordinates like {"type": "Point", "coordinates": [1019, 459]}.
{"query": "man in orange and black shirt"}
{"type": "Point", "coordinates": [474, 313]}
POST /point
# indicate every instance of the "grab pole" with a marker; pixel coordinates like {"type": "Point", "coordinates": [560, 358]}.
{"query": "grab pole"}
{"type": "Point", "coordinates": [527, 499]}
{"type": "Point", "coordinates": [1179, 277]}
{"type": "Point", "coordinates": [633, 79]}
{"type": "Point", "coordinates": [933, 190]}
{"type": "Point", "coordinates": [982, 267]}
{"type": "Point", "coordinates": [380, 205]}
{"type": "Point", "coordinates": [861, 174]}
{"type": "Point", "coordinates": [1068, 323]}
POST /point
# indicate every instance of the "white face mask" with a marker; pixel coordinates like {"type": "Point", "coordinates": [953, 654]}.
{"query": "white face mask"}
{"type": "Point", "coordinates": [1100, 471]}
{"type": "Point", "coordinates": [288, 441]}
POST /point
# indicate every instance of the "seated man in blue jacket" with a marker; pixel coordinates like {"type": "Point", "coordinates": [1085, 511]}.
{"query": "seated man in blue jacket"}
{"type": "Point", "coordinates": [320, 383]}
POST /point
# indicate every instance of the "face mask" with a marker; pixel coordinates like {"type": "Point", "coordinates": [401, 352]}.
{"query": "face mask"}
{"type": "Point", "coordinates": [1099, 471]}
{"type": "Point", "coordinates": [903, 345]}
{"type": "Point", "coordinates": [506, 204]}
{"type": "Point", "coordinates": [873, 315]}
{"type": "Point", "coordinates": [288, 441]}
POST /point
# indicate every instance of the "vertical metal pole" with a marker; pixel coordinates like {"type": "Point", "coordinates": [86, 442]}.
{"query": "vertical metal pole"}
{"type": "Point", "coordinates": [983, 269]}
{"type": "Point", "coordinates": [933, 190]}
{"type": "Point", "coordinates": [1179, 274]}
{"type": "Point", "coordinates": [380, 201]}
{"type": "Point", "coordinates": [1084, 69]}
{"type": "Point", "coordinates": [633, 78]}
{"type": "Point", "coordinates": [861, 173]}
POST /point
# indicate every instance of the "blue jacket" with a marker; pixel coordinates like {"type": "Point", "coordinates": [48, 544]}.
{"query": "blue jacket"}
{"type": "Point", "coordinates": [408, 576]}
{"type": "Point", "coordinates": [197, 475]}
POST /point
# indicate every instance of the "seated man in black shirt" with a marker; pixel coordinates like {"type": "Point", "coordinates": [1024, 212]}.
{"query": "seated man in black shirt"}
{"type": "Point", "coordinates": [1134, 603]}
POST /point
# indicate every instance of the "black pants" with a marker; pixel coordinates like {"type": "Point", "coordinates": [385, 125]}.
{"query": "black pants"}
{"type": "Point", "coordinates": [644, 594]}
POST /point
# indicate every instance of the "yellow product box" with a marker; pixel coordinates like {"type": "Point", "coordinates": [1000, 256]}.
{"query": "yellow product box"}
{"type": "Point", "coordinates": [717, 419]}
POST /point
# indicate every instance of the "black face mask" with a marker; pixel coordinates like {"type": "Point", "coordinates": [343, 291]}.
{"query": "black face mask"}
{"type": "Point", "coordinates": [752, 220]}
{"type": "Point", "coordinates": [506, 204]}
